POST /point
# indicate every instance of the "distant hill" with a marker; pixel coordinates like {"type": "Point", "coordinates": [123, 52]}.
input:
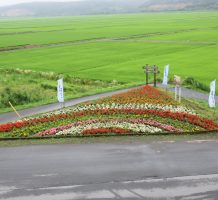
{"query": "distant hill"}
{"type": "Point", "coordinates": [104, 7]}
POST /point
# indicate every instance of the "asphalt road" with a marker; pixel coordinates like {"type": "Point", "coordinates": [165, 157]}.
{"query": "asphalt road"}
{"type": "Point", "coordinates": [159, 170]}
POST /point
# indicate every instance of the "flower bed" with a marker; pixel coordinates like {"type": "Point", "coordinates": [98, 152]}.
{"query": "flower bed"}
{"type": "Point", "coordinates": [139, 126]}
{"type": "Point", "coordinates": [145, 110]}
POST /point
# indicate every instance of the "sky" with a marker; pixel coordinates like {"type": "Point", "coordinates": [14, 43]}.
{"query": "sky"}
{"type": "Point", "coordinates": [12, 2]}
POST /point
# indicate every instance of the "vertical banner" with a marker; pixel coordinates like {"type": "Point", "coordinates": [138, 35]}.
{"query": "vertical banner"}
{"type": "Point", "coordinates": [60, 91]}
{"type": "Point", "coordinates": [212, 101]}
{"type": "Point", "coordinates": [166, 73]}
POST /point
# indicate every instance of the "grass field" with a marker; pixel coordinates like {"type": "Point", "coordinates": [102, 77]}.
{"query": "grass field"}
{"type": "Point", "coordinates": [113, 47]}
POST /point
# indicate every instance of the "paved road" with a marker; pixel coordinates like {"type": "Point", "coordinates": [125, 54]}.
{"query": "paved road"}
{"type": "Point", "coordinates": [158, 170]}
{"type": "Point", "coordinates": [8, 117]}
{"type": "Point", "coordinates": [189, 93]}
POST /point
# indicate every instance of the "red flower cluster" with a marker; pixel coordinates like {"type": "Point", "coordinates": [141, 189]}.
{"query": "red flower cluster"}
{"type": "Point", "coordinates": [105, 130]}
{"type": "Point", "coordinates": [19, 124]}
{"type": "Point", "coordinates": [144, 94]}
{"type": "Point", "coordinates": [192, 119]}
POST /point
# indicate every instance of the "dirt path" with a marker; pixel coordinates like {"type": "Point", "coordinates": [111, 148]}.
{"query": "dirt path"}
{"type": "Point", "coordinates": [118, 39]}
{"type": "Point", "coordinates": [192, 94]}
{"type": "Point", "coordinates": [169, 41]}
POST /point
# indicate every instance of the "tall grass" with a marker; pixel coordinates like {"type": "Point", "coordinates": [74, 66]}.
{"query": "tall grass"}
{"type": "Point", "coordinates": [25, 88]}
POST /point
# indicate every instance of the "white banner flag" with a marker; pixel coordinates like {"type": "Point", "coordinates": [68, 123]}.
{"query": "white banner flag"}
{"type": "Point", "coordinates": [166, 73]}
{"type": "Point", "coordinates": [60, 91]}
{"type": "Point", "coordinates": [212, 101]}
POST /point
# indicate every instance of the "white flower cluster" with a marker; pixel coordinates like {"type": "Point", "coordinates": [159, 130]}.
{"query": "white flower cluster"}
{"type": "Point", "coordinates": [138, 128]}
{"type": "Point", "coordinates": [145, 106]}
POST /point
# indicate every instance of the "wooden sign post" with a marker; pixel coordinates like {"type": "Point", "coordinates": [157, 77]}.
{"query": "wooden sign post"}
{"type": "Point", "coordinates": [151, 69]}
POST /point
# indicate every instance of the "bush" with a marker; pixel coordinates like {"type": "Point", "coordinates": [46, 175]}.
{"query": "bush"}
{"type": "Point", "coordinates": [19, 97]}
{"type": "Point", "coordinates": [48, 86]}
{"type": "Point", "coordinates": [195, 84]}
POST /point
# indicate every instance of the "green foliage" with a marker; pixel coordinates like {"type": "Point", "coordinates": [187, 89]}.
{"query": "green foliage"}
{"type": "Point", "coordinates": [190, 81]}
{"type": "Point", "coordinates": [18, 97]}
{"type": "Point", "coordinates": [47, 86]}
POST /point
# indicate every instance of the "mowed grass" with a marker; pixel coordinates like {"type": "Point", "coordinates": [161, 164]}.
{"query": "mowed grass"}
{"type": "Point", "coordinates": [120, 60]}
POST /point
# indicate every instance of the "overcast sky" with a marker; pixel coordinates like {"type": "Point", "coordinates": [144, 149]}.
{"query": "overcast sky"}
{"type": "Point", "coordinates": [11, 2]}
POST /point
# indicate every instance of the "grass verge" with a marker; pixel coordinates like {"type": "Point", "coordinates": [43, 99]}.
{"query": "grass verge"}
{"type": "Point", "coordinates": [114, 140]}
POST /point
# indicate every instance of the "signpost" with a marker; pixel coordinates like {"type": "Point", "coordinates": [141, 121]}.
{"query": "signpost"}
{"type": "Point", "coordinates": [60, 91]}
{"type": "Point", "coordinates": [151, 69]}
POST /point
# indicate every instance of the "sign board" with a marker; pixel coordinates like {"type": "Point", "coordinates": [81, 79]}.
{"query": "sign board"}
{"type": "Point", "coordinates": [166, 73]}
{"type": "Point", "coordinates": [177, 80]}
{"type": "Point", "coordinates": [212, 101]}
{"type": "Point", "coordinates": [151, 69]}
{"type": "Point", "coordinates": [60, 90]}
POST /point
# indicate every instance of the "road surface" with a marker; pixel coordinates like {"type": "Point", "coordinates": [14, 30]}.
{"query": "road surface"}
{"type": "Point", "coordinates": [157, 170]}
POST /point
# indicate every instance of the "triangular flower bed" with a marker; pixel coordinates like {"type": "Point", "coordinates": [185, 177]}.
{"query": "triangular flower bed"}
{"type": "Point", "coordinates": [144, 110]}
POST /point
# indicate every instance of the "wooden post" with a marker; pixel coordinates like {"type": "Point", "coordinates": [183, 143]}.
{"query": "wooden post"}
{"type": "Point", "coordinates": [176, 92]}
{"type": "Point", "coordinates": [151, 69]}
{"type": "Point", "coordinates": [14, 109]}
{"type": "Point", "coordinates": [180, 94]}
{"type": "Point", "coordinates": [146, 71]}
{"type": "Point", "coordinates": [146, 77]}
{"type": "Point", "coordinates": [155, 76]}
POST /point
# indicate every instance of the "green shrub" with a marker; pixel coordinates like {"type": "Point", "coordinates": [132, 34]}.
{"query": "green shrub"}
{"type": "Point", "coordinates": [48, 86]}
{"type": "Point", "coordinates": [190, 81]}
{"type": "Point", "coordinates": [19, 97]}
